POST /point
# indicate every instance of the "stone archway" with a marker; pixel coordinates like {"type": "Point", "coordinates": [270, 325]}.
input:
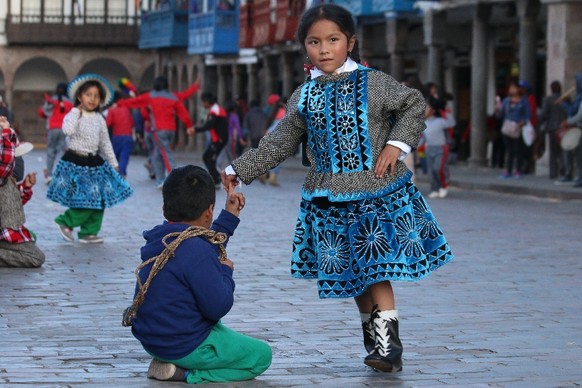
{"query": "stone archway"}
{"type": "Point", "coordinates": [32, 79]}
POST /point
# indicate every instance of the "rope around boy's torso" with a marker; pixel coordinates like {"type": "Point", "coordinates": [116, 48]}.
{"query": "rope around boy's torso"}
{"type": "Point", "coordinates": [159, 261]}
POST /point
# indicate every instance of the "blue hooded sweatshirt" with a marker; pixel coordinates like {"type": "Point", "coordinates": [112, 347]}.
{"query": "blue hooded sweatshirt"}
{"type": "Point", "coordinates": [191, 293]}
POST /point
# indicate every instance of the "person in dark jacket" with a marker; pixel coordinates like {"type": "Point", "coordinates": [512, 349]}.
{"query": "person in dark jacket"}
{"type": "Point", "coordinates": [217, 124]}
{"type": "Point", "coordinates": [178, 320]}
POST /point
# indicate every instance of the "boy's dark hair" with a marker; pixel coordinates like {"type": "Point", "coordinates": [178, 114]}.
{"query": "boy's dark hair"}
{"type": "Point", "coordinates": [161, 83]}
{"type": "Point", "coordinates": [86, 86]}
{"type": "Point", "coordinates": [187, 192]}
{"type": "Point", "coordinates": [208, 97]}
{"type": "Point", "coordinates": [334, 13]}
{"type": "Point", "coordinates": [556, 87]}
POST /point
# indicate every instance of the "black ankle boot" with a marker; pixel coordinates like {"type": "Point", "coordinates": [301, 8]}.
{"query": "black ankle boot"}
{"type": "Point", "coordinates": [387, 353]}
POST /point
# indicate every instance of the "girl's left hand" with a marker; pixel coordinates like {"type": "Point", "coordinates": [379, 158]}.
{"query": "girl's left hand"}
{"type": "Point", "coordinates": [387, 160]}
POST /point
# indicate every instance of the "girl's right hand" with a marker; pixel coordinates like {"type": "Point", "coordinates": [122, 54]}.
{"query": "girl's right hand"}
{"type": "Point", "coordinates": [229, 182]}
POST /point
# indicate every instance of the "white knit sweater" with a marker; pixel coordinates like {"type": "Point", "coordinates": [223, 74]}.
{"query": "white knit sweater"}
{"type": "Point", "coordinates": [87, 133]}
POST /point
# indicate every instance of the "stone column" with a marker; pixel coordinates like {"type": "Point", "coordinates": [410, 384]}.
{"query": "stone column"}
{"type": "Point", "coordinates": [434, 35]}
{"type": "Point", "coordinates": [236, 80]}
{"type": "Point", "coordinates": [396, 38]}
{"type": "Point", "coordinates": [221, 87]}
{"type": "Point", "coordinates": [268, 74]}
{"type": "Point", "coordinates": [564, 57]}
{"type": "Point", "coordinates": [528, 11]}
{"type": "Point", "coordinates": [479, 86]}
{"type": "Point", "coordinates": [252, 92]}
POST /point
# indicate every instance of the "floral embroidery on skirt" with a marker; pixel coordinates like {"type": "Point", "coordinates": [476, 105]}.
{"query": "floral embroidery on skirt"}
{"type": "Point", "coordinates": [347, 246]}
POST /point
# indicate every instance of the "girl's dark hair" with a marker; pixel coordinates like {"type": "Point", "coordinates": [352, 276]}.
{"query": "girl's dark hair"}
{"type": "Point", "coordinates": [160, 83]}
{"type": "Point", "coordinates": [86, 86]}
{"type": "Point", "coordinates": [187, 192]}
{"type": "Point", "coordinates": [334, 13]}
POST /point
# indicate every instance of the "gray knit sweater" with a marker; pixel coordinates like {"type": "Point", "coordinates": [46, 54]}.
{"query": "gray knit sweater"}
{"type": "Point", "coordinates": [348, 118]}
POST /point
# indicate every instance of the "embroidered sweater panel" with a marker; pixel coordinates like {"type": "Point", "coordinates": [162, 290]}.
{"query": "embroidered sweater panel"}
{"type": "Point", "coordinates": [347, 129]}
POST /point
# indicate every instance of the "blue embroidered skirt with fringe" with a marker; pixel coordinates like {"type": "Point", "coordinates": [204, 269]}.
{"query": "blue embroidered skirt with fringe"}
{"type": "Point", "coordinates": [348, 246]}
{"type": "Point", "coordinates": [87, 182]}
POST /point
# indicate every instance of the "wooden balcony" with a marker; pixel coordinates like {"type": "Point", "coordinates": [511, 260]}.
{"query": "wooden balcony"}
{"type": "Point", "coordinates": [245, 37]}
{"type": "Point", "coordinates": [214, 32]}
{"type": "Point", "coordinates": [164, 28]}
{"type": "Point", "coordinates": [376, 7]}
{"type": "Point", "coordinates": [68, 31]}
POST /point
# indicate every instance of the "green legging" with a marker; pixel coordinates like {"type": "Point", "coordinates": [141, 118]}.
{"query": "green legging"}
{"type": "Point", "coordinates": [89, 220]}
{"type": "Point", "coordinates": [225, 356]}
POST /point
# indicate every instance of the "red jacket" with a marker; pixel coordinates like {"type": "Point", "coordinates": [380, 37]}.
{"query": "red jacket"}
{"type": "Point", "coordinates": [55, 113]}
{"type": "Point", "coordinates": [164, 107]}
{"type": "Point", "coordinates": [120, 121]}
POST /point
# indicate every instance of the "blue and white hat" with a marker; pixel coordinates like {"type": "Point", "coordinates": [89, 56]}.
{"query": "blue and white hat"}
{"type": "Point", "coordinates": [81, 79]}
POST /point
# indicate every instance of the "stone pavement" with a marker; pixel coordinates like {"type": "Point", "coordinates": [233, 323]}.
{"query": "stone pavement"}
{"type": "Point", "coordinates": [505, 312]}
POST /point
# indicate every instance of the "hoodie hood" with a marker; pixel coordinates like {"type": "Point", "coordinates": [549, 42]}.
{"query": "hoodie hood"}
{"type": "Point", "coordinates": [154, 236]}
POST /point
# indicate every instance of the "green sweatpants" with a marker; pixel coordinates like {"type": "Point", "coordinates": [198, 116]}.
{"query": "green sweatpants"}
{"type": "Point", "coordinates": [89, 220]}
{"type": "Point", "coordinates": [224, 356]}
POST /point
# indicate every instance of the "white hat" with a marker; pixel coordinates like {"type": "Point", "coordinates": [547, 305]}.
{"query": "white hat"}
{"type": "Point", "coordinates": [75, 84]}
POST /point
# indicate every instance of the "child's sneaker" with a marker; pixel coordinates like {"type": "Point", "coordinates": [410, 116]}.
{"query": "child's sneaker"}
{"type": "Point", "coordinates": [165, 371]}
{"type": "Point", "coordinates": [443, 192]}
{"type": "Point", "coordinates": [90, 239]}
{"type": "Point", "coordinates": [66, 232]}
{"type": "Point", "coordinates": [434, 194]}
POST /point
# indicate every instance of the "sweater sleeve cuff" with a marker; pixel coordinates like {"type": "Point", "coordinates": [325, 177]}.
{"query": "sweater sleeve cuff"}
{"type": "Point", "coordinates": [404, 148]}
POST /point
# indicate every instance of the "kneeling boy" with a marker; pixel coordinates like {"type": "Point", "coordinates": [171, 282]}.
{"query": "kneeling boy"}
{"type": "Point", "coordinates": [189, 285]}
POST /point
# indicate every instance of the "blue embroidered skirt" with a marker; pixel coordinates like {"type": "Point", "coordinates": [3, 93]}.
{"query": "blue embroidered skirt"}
{"type": "Point", "coordinates": [87, 182]}
{"type": "Point", "coordinates": [348, 246]}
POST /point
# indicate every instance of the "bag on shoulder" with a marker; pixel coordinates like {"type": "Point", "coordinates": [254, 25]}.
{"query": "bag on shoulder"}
{"type": "Point", "coordinates": [528, 134]}
{"type": "Point", "coordinates": [510, 129]}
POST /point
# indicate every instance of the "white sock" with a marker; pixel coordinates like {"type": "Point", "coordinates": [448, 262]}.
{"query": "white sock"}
{"type": "Point", "coordinates": [389, 315]}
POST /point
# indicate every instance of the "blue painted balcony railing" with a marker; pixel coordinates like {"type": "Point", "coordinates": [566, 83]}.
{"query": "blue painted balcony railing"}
{"type": "Point", "coordinates": [214, 32]}
{"type": "Point", "coordinates": [376, 7]}
{"type": "Point", "coordinates": [164, 28]}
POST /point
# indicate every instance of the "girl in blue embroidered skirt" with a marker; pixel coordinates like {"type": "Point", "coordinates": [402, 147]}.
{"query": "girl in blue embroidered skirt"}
{"type": "Point", "coordinates": [86, 179]}
{"type": "Point", "coordinates": [362, 222]}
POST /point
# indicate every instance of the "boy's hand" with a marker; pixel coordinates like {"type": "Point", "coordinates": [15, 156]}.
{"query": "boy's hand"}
{"type": "Point", "coordinates": [228, 263]}
{"type": "Point", "coordinates": [235, 202]}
